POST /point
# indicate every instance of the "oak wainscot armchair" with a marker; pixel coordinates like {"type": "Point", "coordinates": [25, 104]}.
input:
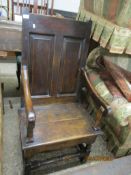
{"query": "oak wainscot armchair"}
{"type": "Point", "coordinates": [54, 51]}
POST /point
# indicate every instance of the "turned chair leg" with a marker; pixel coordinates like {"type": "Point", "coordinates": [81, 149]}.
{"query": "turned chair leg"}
{"type": "Point", "coordinates": [30, 128]}
{"type": "Point", "coordinates": [99, 115]}
{"type": "Point", "coordinates": [85, 151]}
{"type": "Point", "coordinates": [2, 88]}
{"type": "Point", "coordinates": [27, 170]}
{"type": "Point", "coordinates": [18, 73]}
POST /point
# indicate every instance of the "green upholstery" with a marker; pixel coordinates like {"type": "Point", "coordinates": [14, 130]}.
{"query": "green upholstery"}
{"type": "Point", "coordinates": [118, 125]}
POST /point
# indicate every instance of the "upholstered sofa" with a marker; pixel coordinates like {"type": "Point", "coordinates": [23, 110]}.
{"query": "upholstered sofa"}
{"type": "Point", "coordinates": [116, 123]}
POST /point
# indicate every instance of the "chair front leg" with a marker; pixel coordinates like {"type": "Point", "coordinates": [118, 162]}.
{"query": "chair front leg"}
{"type": "Point", "coordinates": [30, 127]}
{"type": "Point", "coordinates": [99, 115]}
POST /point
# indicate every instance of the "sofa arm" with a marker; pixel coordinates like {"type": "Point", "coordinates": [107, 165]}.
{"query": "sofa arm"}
{"type": "Point", "coordinates": [103, 107]}
{"type": "Point", "coordinates": [28, 103]}
{"type": "Point", "coordinates": [99, 100]}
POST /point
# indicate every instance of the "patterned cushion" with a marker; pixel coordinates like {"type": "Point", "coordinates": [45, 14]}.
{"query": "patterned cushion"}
{"type": "Point", "coordinates": [120, 107]}
{"type": "Point", "coordinates": [120, 120]}
{"type": "Point", "coordinates": [119, 78]}
{"type": "Point", "coordinates": [100, 86]}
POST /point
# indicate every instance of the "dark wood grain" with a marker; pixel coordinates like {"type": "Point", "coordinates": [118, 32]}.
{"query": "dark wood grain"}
{"type": "Point", "coordinates": [54, 51]}
{"type": "Point", "coordinates": [40, 100]}
{"type": "Point", "coordinates": [42, 47]}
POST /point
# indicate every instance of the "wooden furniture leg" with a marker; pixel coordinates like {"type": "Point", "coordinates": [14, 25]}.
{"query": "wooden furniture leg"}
{"type": "Point", "coordinates": [99, 115]}
{"type": "Point", "coordinates": [85, 151]}
{"type": "Point", "coordinates": [18, 73]}
{"type": "Point", "coordinates": [2, 91]}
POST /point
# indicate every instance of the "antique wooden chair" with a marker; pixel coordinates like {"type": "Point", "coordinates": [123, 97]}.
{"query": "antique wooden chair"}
{"type": "Point", "coordinates": [54, 51]}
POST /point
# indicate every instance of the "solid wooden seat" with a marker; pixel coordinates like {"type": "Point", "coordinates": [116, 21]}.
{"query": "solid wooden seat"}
{"type": "Point", "coordinates": [56, 125]}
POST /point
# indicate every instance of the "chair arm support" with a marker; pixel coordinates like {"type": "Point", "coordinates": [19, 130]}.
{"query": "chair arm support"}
{"type": "Point", "coordinates": [27, 95]}
{"type": "Point", "coordinates": [96, 96]}
{"type": "Point", "coordinates": [28, 102]}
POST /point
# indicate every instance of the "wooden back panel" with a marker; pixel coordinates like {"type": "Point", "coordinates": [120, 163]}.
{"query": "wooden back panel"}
{"type": "Point", "coordinates": [54, 49]}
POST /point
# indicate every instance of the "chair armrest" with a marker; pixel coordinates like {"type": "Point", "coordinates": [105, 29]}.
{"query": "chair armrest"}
{"type": "Point", "coordinates": [28, 103]}
{"type": "Point", "coordinates": [95, 95]}
{"type": "Point", "coordinates": [27, 95]}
